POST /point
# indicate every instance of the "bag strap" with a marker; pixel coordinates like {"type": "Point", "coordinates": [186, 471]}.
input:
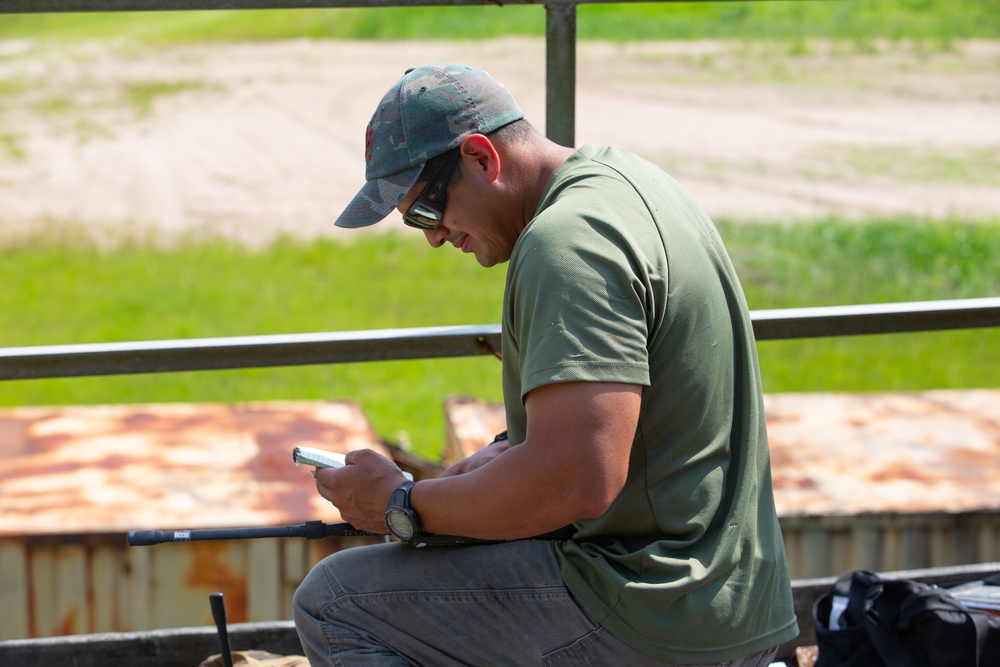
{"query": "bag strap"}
{"type": "Point", "coordinates": [887, 643]}
{"type": "Point", "coordinates": [982, 624]}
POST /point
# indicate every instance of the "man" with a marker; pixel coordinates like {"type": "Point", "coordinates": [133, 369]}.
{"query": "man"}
{"type": "Point", "coordinates": [634, 413]}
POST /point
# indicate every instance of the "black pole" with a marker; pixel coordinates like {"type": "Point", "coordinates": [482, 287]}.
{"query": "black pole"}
{"type": "Point", "coordinates": [310, 530]}
{"type": "Point", "coordinates": [560, 73]}
{"type": "Point", "coordinates": [218, 604]}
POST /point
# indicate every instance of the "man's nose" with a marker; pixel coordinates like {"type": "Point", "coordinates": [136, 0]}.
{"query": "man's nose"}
{"type": "Point", "coordinates": [436, 237]}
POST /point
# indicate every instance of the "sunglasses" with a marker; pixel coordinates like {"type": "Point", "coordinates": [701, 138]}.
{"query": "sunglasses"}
{"type": "Point", "coordinates": [427, 211]}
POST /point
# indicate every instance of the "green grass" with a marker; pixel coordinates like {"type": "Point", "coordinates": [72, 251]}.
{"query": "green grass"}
{"type": "Point", "coordinates": [61, 289]}
{"type": "Point", "coordinates": [142, 95]}
{"type": "Point", "coordinates": [831, 263]}
{"type": "Point", "coordinates": [10, 147]}
{"type": "Point", "coordinates": [861, 20]}
{"type": "Point", "coordinates": [911, 164]}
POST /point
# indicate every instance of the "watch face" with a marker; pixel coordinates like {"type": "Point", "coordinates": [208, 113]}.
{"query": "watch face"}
{"type": "Point", "coordinates": [399, 523]}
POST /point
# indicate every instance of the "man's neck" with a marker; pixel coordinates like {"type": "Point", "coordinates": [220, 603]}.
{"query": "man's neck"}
{"type": "Point", "coordinates": [545, 157]}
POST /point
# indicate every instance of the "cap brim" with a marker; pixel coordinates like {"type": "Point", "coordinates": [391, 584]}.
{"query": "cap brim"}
{"type": "Point", "coordinates": [378, 198]}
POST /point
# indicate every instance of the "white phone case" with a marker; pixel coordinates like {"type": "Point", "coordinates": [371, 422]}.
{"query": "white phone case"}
{"type": "Point", "coordinates": [322, 459]}
{"type": "Point", "coordinates": [317, 457]}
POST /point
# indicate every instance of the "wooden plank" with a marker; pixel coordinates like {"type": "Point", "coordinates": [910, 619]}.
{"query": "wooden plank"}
{"type": "Point", "coordinates": [42, 590]}
{"type": "Point", "coordinates": [891, 549]}
{"type": "Point", "coordinates": [914, 547]}
{"type": "Point", "coordinates": [815, 551]}
{"type": "Point", "coordinates": [940, 545]}
{"type": "Point", "coordinates": [105, 565]}
{"type": "Point", "coordinates": [293, 571]}
{"type": "Point", "coordinates": [792, 536]}
{"type": "Point", "coordinates": [965, 539]}
{"type": "Point", "coordinates": [264, 580]}
{"type": "Point", "coordinates": [133, 597]}
{"type": "Point", "coordinates": [864, 547]}
{"type": "Point", "coordinates": [839, 550]}
{"type": "Point", "coordinates": [987, 542]}
{"type": "Point", "coordinates": [13, 589]}
{"type": "Point", "coordinates": [71, 608]}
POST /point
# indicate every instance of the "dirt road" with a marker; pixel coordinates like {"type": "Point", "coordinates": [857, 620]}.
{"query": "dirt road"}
{"type": "Point", "coordinates": [253, 140]}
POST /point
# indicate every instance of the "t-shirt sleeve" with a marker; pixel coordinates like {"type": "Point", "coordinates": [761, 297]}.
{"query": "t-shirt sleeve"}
{"type": "Point", "coordinates": [578, 304]}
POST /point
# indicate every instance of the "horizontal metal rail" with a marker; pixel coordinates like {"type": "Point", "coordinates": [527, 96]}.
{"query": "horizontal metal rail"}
{"type": "Point", "coordinates": [226, 353]}
{"type": "Point", "coordinates": [164, 356]}
{"type": "Point", "coordinates": [881, 318]}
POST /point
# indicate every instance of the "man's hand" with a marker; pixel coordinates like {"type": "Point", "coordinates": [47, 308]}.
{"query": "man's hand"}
{"type": "Point", "coordinates": [477, 460]}
{"type": "Point", "coordinates": [361, 489]}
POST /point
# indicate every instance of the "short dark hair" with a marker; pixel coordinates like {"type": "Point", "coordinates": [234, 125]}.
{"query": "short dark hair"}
{"type": "Point", "coordinates": [513, 133]}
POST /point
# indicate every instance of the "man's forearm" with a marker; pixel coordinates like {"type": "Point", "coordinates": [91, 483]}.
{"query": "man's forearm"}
{"type": "Point", "coordinates": [572, 466]}
{"type": "Point", "coordinates": [511, 497]}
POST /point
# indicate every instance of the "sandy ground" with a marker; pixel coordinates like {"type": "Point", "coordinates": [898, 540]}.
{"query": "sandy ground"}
{"type": "Point", "coordinates": [253, 140]}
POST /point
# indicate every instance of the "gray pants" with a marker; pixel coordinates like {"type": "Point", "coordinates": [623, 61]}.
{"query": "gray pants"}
{"type": "Point", "coordinates": [502, 604]}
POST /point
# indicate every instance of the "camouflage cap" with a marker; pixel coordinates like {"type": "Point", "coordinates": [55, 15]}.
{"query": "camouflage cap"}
{"type": "Point", "coordinates": [426, 113]}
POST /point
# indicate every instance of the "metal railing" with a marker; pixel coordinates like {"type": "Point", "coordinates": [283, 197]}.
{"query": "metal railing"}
{"type": "Point", "coordinates": [23, 363]}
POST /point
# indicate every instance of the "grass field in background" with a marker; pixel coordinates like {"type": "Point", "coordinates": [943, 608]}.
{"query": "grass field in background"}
{"type": "Point", "coordinates": [74, 293]}
{"type": "Point", "coordinates": [932, 20]}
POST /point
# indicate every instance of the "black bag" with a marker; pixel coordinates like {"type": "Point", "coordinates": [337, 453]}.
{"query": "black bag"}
{"type": "Point", "coordinates": [865, 620]}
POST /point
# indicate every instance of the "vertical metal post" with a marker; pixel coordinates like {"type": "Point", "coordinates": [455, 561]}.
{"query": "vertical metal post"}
{"type": "Point", "coordinates": [560, 73]}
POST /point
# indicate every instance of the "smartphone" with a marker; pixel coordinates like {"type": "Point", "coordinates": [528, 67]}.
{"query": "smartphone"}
{"type": "Point", "coordinates": [321, 458]}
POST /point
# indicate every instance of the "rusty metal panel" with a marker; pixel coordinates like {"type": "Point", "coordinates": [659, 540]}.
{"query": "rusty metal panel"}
{"type": "Point", "coordinates": [914, 476]}
{"type": "Point", "coordinates": [58, 585]}
{"type": "Point", "coordinates": [471, 425]}
{"type": "Point", "coordinates": [887, 481]}
{"type": "Point", "coordinates": [184, 574]}
{"type": "Point", "coordinates": [933, 451]}
{"type": "Point", "coordinates": [75, 479]}
{"type": "Point", "coordinates": [118, 468]}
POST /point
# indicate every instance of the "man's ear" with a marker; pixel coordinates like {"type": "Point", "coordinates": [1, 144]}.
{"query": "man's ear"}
{"type": "Point", "coordinates": [479, 155]}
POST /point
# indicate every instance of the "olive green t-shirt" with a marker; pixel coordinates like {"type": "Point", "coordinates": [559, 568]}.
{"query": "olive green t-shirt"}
{"type": "Point", "coordinates": [622, 277]}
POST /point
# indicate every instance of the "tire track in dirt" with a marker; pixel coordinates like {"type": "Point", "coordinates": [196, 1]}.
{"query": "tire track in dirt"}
{"type": "Point", "coordinates": [248, 141]}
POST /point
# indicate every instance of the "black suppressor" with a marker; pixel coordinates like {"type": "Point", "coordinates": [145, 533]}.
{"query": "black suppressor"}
{"type": "Point", "coordinates": [310, 530]}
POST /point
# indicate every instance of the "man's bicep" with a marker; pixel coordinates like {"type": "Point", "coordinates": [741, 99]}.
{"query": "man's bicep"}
{"type": "Point", "coordinates": [585, 430]}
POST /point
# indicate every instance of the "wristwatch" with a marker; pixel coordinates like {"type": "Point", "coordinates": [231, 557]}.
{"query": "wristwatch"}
{"type": "Point", "coordinates": [402, 520]}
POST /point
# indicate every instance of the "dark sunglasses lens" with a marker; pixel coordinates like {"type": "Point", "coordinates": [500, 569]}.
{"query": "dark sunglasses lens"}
{"type": "Point", "coordinates": [422, 217]}
{"type": "Point", "coordinates": [418, 223]}
{"type": "Point", "coordinates": [428, 210]}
